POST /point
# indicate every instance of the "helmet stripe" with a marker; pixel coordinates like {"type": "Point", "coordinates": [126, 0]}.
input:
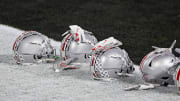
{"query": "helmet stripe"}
{"type": "Point", "coordinates": [20, 36]}
{"type": "Point", "coordinates": [143, 60]}
{"type": "Point", "coordinates": [178, 75]}
{"type": "Point", "coordinates": [65, 41]}
{"type": "Point", "coordinates": [77, 37]}
{"type": "Point", "coordinates": [92, 63]}
{"type": "Point", "coordinates": [16, 41]}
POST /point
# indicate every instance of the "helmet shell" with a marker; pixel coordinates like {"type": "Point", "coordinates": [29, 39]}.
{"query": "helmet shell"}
{"type": "Point", "coordinates": [31, 46]}
{"type": "Point", "coordinates": [155, 67]}
{"type": "Point", "coordinates": [104, 64]}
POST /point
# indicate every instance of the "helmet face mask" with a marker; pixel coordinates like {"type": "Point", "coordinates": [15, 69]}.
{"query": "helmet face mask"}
{"type": "Point", "coordinates": [32, 47]}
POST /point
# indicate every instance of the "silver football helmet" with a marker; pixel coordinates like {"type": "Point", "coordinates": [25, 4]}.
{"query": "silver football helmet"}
{"type": "Point", "coordinates": [32, 47]}
{"type": "Point", "coordinates": [159, 65]}
{"type": "Point", "coordinates": [108, 60]}
{"type": "Point", "coordinates": [77, 44]}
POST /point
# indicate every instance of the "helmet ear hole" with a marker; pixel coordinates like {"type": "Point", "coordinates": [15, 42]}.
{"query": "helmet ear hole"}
{"type": "Point", "coordinates": [34, 57]}
{"type": "Point", "coordinates": [39, 57]}
{"type": "Point", "coordinates": [150, 64]}
{"type": "Point", "coordinates": [52, 52]}
{"type": "Point", "coordinates": [172, 60]}
{"type": "Point", "coordinates": [127, 71]}
{"type": "Point", "coordinates": [164, 78]}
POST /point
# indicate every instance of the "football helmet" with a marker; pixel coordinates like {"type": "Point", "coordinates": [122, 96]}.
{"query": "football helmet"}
{"type": "Point", "coordinates": [159, 65]}
{"type": "Point", "coordinates": [108, 60]}
{"type": "Point", "coordinates": [32, 47]}
{"type": "Point", "coordinates": [77, 44]}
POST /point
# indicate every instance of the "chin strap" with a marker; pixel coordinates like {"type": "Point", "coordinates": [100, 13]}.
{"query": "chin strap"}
{"type": "Point", "coordinates": [65, 64]}
{"type": "Point", "coordinates": [141, 87]}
